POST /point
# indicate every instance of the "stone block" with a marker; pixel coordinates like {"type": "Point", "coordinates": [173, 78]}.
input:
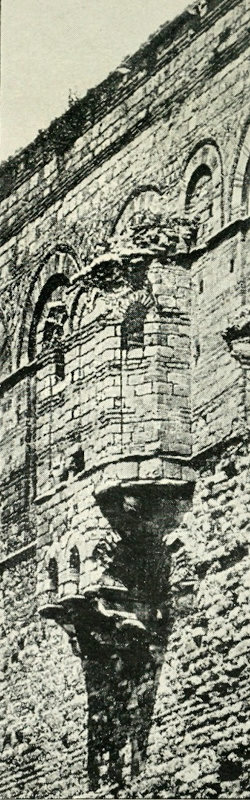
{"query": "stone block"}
{"type": "Point", "coordinates": [128, 471]}
{"type": "Point", "coordinates": [151, 469]}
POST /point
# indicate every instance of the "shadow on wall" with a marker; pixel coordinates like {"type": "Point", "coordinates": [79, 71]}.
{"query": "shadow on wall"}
{"type": "Point", "coordinates": [125, 649]}
{"type": "Point", "coordinates": [121, 690]}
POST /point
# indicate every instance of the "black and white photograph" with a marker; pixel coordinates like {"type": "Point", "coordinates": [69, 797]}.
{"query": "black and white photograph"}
{"type": "Point", "coordinates": [125, 400]}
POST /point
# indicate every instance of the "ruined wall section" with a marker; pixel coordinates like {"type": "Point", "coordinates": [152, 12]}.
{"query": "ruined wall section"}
{"type": "Point", "coordinates": [17, 528]}
{"type": "Point", "coordinates": [217, 378]}
{"type": "Point", "coordinates": [68, 195]}
{"type": "Point", "coordinates": [199, 742]}
{"type": "Point", "coordinates": [173, 132]}
{"type": "Point", "coordinates": [43, 733]}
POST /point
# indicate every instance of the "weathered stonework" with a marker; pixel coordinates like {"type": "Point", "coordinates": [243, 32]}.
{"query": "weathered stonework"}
{"type": "Point", "coordinates": [125, 444]}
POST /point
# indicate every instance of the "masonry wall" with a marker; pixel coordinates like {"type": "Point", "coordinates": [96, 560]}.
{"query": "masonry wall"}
{"type": "Point", "coordinates": [137, 456]}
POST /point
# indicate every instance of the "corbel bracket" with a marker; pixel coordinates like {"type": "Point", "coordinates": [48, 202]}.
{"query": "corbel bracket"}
{"type": "Point", "coordinates": [237, 336]}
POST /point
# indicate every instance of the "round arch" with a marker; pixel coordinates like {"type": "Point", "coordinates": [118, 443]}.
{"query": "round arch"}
{"type": "Point", "coordinates": [143, 198]}
{"type": "Point", "coordinates": [206, 154]}
{"type": "Point", "coordinates": [56, 281]}
{"type": "Point", "coordinates": [71, 540]}
{"type": "Point", "coordinates": [60, 261]}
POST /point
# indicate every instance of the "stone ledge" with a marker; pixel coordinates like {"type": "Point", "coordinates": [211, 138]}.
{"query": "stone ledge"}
{"type": "Point", "coordinates": [17, 555]}
{"type": "Point", "coordinates": [128, 471]}
{"type": "Point", "coordinates": [156, 471]}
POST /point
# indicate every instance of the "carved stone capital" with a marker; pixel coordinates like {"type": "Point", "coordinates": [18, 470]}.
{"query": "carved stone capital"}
{"type": "Point", "coordinates": [155, 232]}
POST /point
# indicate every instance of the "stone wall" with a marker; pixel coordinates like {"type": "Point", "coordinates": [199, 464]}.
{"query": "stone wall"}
{"type": "Point", "coordinates": [124, 348]}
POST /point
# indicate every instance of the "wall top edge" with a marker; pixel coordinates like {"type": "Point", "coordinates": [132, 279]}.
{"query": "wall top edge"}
{"type": "Point", "coordinates": [61, 134]}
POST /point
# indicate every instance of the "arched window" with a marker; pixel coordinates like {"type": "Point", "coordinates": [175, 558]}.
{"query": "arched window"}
{"type": "Point", "coordinates": [52, 335]}
{"type": "Point", "coordinates": [48, 322]}
{"type": "Point", "coordinates": [246, 190]}
{"type": "Point", "coordinates": [199, 198]}
{"type": "Point", "coordinates": [145, 200]}
{"type": "Point", "coordinates": [132, 329]}
{"type": "Point", "coordinates": [74, 565]}
{"type": "Point", "coordinates": [53, 575]}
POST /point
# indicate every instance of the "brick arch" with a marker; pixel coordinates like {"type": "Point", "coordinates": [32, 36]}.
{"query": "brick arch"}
{"type": "Point", "coordinates": [77, 307]}
{"type": "Point", "coordinates": [120, 309]}
{"type": "Point", "coordinates": [206, 154]}
{"type": "Point", "coordinates": [141, 199]}
{"type": "Point", "coordinates": [57, 281]}
{"type": "Point", "coordinates": [52, 554]}
{"type": "Point", "coordinates": [141, 296]}
{"type": "Point", "coordinates": [59, 261]}
{"type": "Point", "coordinates": [75, 565]}
{"type": "Point", "coordinates": [53, 575]}
{"type": "Point", "coordinates": [238, 172]}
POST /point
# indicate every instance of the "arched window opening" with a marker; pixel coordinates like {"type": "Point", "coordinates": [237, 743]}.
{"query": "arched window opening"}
{"type": "Point", "coordinates": [53, 331]}
{"type": "Point", "coordinates": [77, 463]}
{"type": "Point", "coordinates": [53, 575]}
{"type": "Point", "coordinates": [49, 317]}
{"type": "Point", "coordinates": [132, 329]}
{"type": "Point", "coordinates": [59, 364]}
{"type": "Point", "coordinates": [199, 198]}
{"type": "Point", "coordinates": [74, 565]}
{"type": "Point", "coordinates": [144, 200]}
{"type": "Point", "coordinates": [246, 190]}
{"type": "Point", "coordinates": [54, 324]}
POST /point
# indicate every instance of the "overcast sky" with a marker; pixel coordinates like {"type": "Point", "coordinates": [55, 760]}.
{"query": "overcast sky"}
{"type": "Point", "coordinates": [51, 48]}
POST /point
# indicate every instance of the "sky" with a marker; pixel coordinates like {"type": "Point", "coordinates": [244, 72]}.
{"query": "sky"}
{"type": "Point", "coordinates": [51, 49]}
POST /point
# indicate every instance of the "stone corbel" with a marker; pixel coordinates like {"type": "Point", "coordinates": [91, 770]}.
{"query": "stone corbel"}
{"type": "Point", "coordinates": [95, 620]}
{"type": "Point", "coordinates": [237, 336]}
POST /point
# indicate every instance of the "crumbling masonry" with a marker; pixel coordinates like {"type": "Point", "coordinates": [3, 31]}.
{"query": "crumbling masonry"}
{"type": "Point", "coordinates": [125, 422]}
